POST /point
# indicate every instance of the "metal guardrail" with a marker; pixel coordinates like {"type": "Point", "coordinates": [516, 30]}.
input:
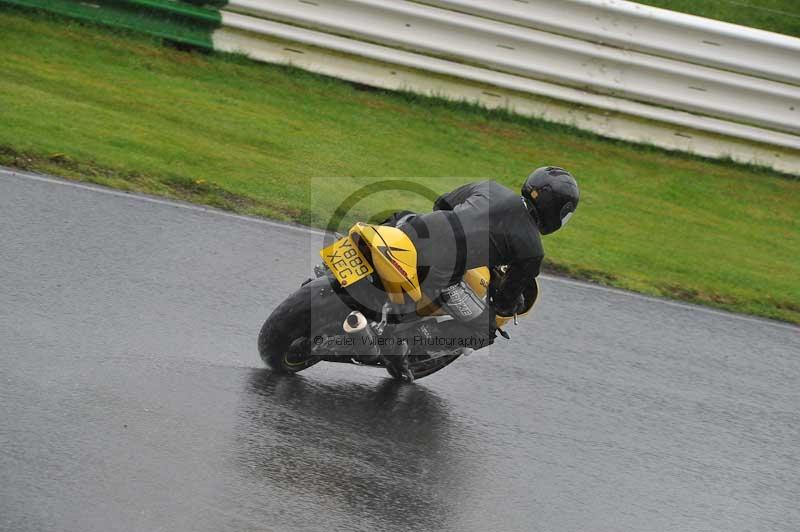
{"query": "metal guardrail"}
{"type": "Point", "coordinates": [679, 98]}
{"type": "Point", "coordinates": [650, 30]}
{"type": "Point", "coordinates": [539, 55]}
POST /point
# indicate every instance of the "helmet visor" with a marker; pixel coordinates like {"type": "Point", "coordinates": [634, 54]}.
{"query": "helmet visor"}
{"type": "Point", "coordinates": [566, 213]}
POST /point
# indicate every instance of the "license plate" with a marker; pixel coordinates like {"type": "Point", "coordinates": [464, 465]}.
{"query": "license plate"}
{"type": "Point", "coordinates": [346, 261]}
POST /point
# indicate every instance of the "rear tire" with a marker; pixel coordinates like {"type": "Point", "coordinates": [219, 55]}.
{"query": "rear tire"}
{"type": "Point", "coordinates": [285, 340]}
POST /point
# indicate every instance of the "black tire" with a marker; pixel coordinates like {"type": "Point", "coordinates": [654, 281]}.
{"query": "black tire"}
{"type": "Point", "coordinates": [285, 338]}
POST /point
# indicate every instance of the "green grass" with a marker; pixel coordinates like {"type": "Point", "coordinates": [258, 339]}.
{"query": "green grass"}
{"type": "Point", "coordinates": [124, 111]}
{"type": "Point", "coordinates": [781, 16]}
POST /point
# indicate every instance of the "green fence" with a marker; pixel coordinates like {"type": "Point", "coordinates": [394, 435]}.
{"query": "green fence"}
{"type": "Point", "coordinates": [183, 22]}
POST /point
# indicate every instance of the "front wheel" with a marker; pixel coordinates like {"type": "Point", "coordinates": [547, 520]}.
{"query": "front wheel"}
{"type": "Point", "coordinates": [285, 340]}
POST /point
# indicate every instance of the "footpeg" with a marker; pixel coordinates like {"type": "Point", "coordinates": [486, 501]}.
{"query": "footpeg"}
{"type": "Point", "coordinates": [397, 364]}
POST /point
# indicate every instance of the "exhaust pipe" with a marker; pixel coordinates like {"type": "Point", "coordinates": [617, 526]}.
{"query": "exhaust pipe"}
{"type": "Point", "coordinates": [365, 344]}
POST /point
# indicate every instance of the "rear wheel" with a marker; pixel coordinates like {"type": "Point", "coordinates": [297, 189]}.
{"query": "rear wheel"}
{"type": "Point", "coordinates": [286, 338]}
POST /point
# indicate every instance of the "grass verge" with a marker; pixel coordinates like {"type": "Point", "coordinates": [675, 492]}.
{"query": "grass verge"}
{"type": "Point", "coordinates": [124, 111]}
{"type": "Point", "coordinates": [780, 16]}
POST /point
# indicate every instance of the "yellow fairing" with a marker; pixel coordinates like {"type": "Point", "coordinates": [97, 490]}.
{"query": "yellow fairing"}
{"type": "Point", "coordinates": [394, 258]}
{"type": "Point", "coordinates": [478, 279]}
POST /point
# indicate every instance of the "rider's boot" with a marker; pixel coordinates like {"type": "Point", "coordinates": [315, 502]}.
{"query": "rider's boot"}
{"type": "Point", "coordinates": [396, 360]}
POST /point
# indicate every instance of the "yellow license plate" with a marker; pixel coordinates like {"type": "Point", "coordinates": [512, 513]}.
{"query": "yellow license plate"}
{"type": "Point", "coordinates": [346, 261]}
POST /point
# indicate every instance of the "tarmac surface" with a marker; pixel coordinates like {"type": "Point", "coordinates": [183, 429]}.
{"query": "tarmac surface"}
{"type": "Point", "coordinates": [132, 396]}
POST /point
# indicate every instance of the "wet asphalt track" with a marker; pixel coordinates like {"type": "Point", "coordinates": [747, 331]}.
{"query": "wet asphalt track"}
{"type": "Point", "coordinates": [132, 397]}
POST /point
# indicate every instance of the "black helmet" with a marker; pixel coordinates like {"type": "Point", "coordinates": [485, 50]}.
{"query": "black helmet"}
{"type": "Point", "coordinates": [551, 195]}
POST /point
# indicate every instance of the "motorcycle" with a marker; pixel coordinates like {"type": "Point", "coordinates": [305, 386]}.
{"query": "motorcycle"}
{"type": "Point", "coordinates": [364, 300]}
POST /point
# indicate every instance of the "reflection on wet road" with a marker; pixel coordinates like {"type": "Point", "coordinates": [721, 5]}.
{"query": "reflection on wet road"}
{"type": "Point", "coordinates": [379, 451]}
{"type": "Point", "coordinates": [132, 398]}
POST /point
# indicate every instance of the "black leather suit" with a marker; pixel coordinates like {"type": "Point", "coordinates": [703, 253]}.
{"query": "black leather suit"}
{"type": "Point", "coordinates": [478, 224]}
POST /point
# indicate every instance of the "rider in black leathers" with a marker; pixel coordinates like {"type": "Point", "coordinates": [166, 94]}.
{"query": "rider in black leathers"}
{"type": "Point", "coordinates": [485, 224]}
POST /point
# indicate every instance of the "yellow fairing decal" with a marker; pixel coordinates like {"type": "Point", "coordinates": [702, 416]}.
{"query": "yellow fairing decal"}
{"type": "Point", "coordinates": [394, 258]}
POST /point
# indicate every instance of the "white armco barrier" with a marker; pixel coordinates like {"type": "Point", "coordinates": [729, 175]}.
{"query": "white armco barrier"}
{"type": "Point", "coordinates": [619, 93]}
{"type": "Point", "coordinates": [650, 30]}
